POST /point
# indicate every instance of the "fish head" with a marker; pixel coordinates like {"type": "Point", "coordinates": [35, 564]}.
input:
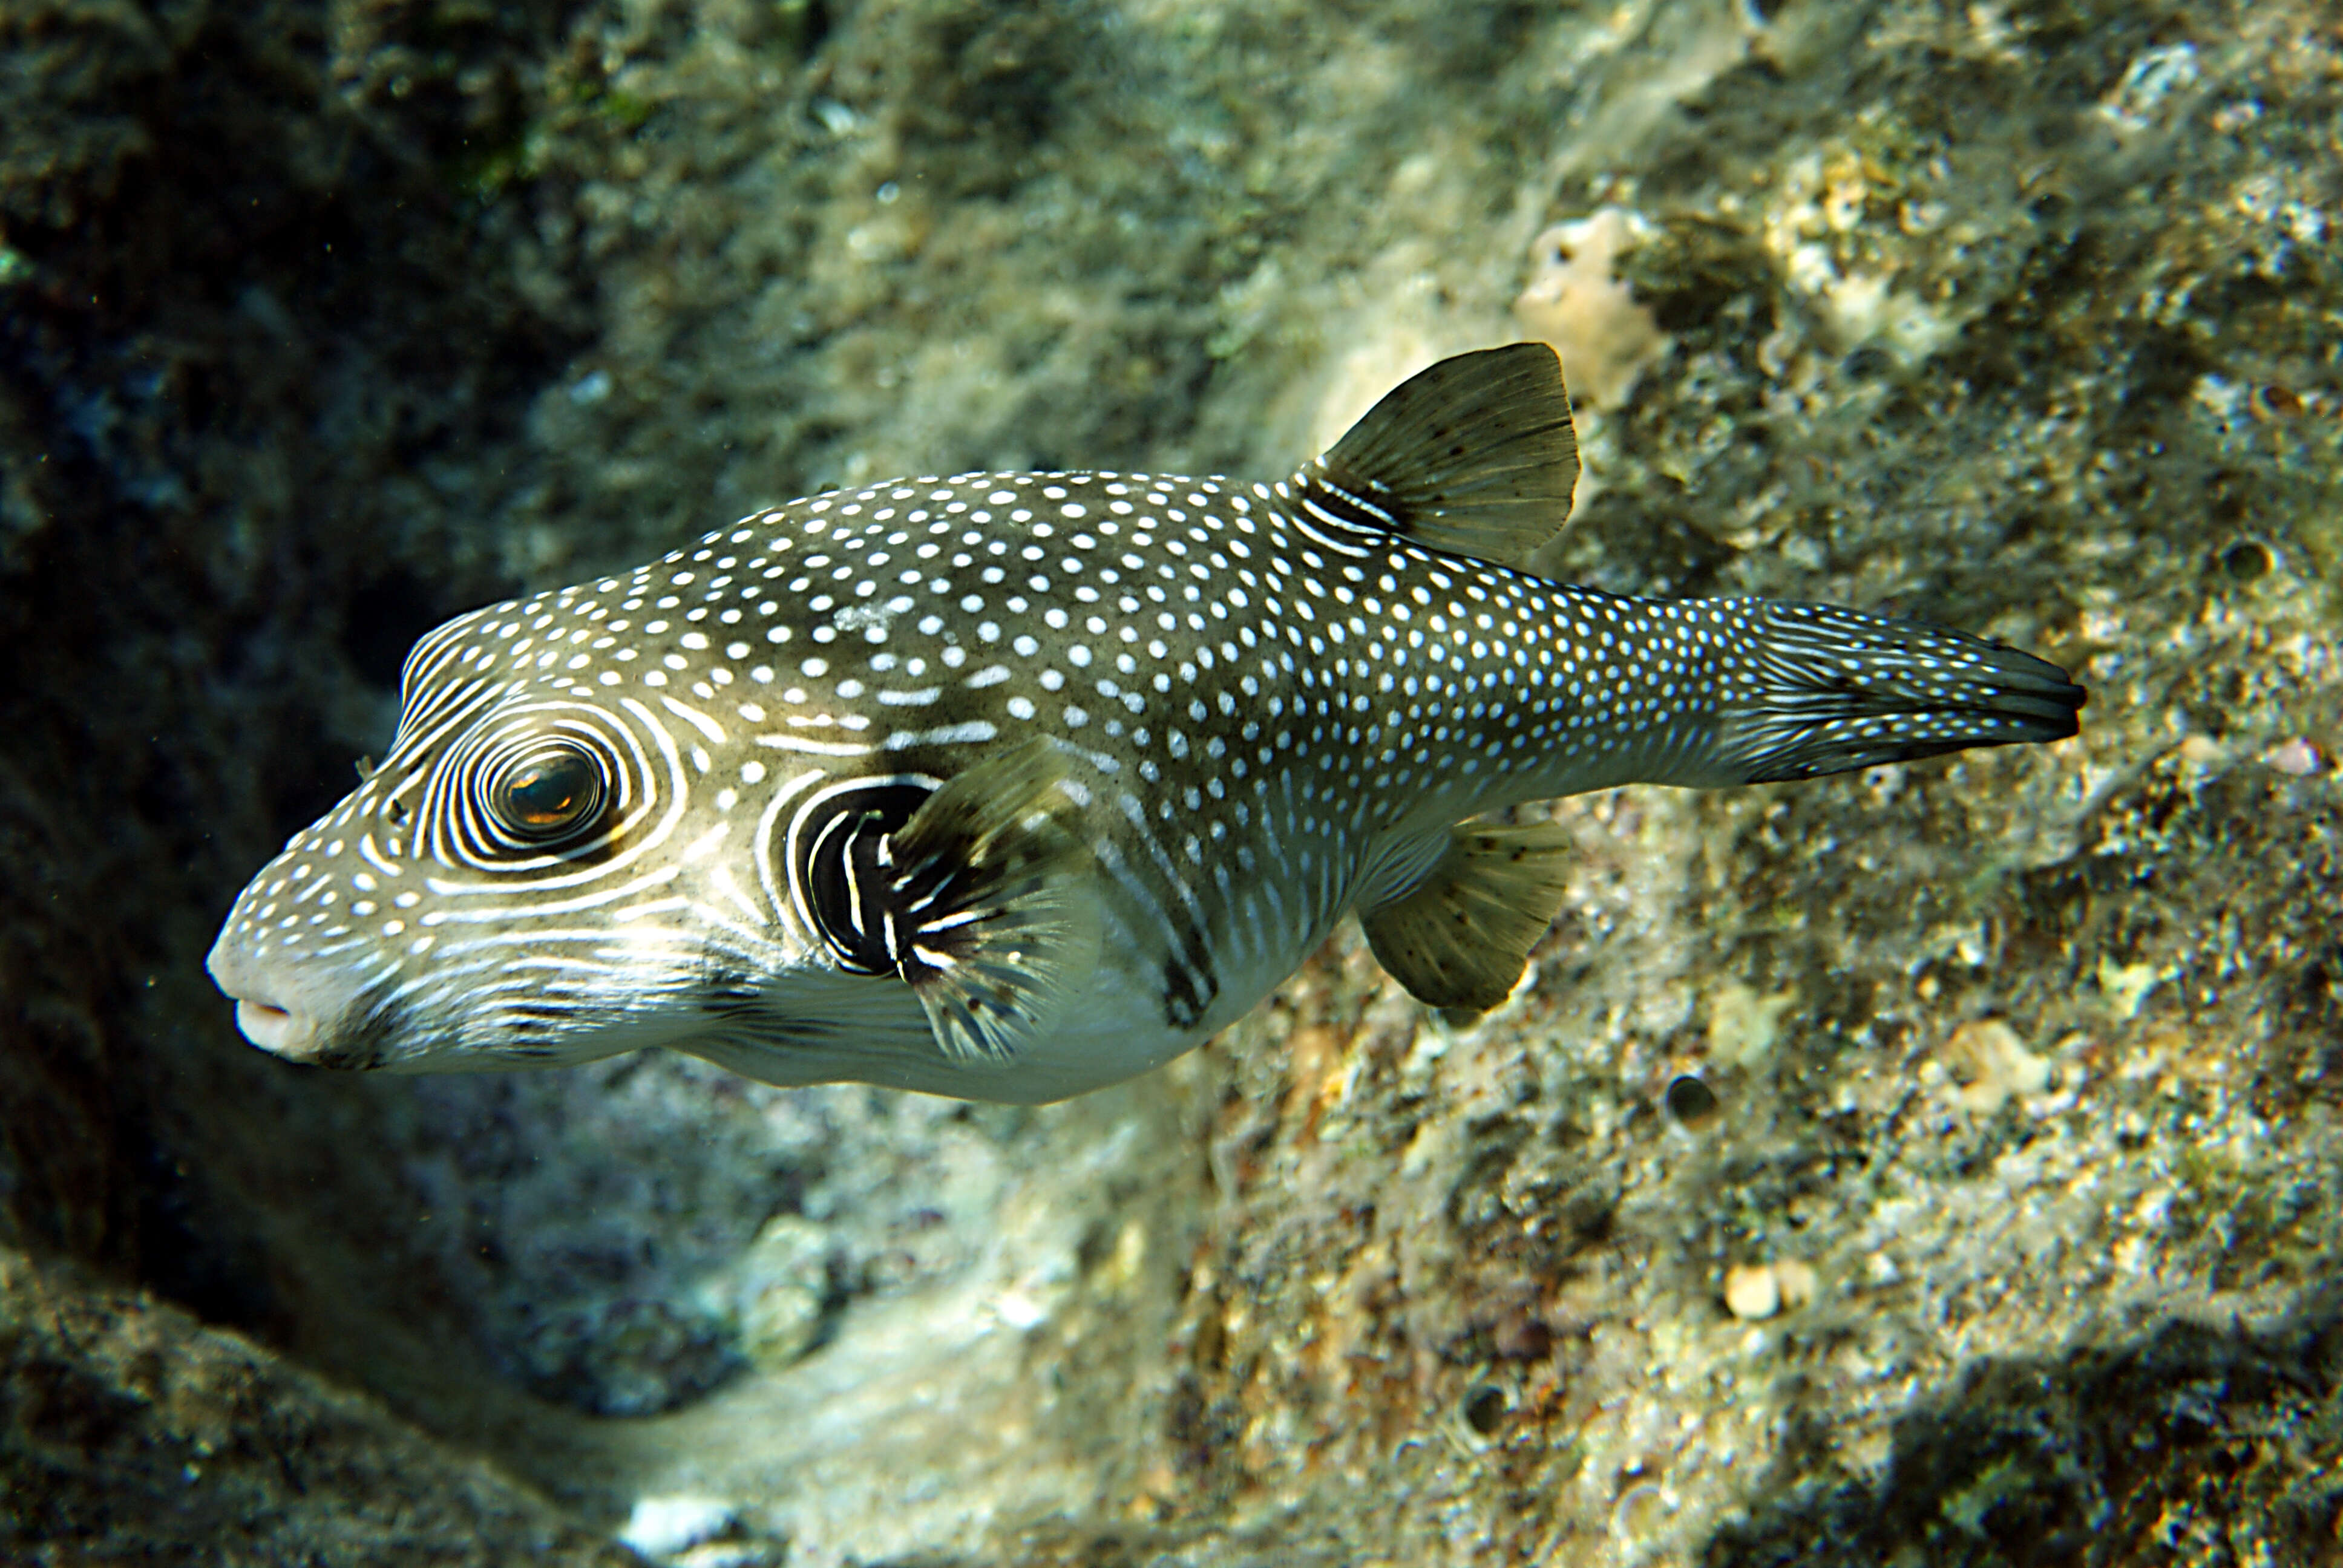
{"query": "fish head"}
{"type": "Point", "coordinates": [542, 871]}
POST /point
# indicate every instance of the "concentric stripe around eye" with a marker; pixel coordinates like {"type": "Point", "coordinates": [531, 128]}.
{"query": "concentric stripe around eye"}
{"type": "Point", "coordinates": [465, 821]}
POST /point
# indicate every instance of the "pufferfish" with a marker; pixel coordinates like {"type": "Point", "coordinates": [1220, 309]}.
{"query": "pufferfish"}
{"type": "Point", "coordinates": [1011, 786]}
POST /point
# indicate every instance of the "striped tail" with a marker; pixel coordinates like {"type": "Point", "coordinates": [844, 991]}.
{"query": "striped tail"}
{"type": "Point", "coordinates": [1816, 689]}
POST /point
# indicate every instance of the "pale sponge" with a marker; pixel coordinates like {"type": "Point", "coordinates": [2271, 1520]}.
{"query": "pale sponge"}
{"type": "Point", "coordinates": [1573, 302]}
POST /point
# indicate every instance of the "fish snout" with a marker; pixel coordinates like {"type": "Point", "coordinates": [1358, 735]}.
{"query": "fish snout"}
{"type": "Point", "coordinates": [284, 1009]}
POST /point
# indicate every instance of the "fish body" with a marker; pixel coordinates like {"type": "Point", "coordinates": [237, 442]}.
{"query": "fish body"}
{"type": "Point", "coordinates": [1010, 786]}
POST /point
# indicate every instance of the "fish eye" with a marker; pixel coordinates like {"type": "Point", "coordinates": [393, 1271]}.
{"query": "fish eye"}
{"type": "Point", "coordinates": [548, 795]}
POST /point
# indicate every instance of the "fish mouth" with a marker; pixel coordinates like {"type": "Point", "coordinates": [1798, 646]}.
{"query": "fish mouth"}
{"type": "Point", "coordinates": [276, 1030]}
{"type": "Point", "coordinates": [288, 1015]}
{"type": "Point", "coordinates": [293, 1034]}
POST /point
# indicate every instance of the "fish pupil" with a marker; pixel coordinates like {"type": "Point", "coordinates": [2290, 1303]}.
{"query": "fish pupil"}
{"type": "Point", "coordinates": [549, 795]}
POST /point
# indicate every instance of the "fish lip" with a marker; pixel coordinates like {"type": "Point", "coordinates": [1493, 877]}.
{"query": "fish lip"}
{"type": "Point", "coordinates": [292, 1035]}
{"type": "Point", "coordinates": [278, 1031]}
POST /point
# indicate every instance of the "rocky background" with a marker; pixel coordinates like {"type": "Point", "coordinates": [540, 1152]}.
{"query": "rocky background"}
{"type": "Point", "coordinates": [1933, 1165]}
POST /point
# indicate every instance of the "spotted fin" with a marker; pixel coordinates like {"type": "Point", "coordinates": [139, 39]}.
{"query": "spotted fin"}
{"type": "Point", "coordinates": [996, 928]}
{"type": "Point", "coordinates": [1476, 457]}
{"type": "Point", "coordinates": [1829, 690]}
{"type": "Point", "coordinates": [1461, 936]}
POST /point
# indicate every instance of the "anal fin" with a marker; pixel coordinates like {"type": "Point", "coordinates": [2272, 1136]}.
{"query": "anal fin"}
{"type": "Point", "coordinates": [994, 923]}
{"type": "Point", "coordinates": [1461, 936]}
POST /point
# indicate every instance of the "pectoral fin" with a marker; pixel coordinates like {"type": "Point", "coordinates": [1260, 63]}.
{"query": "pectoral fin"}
{"type": "Point", "coordinates": [994, 921]}
{"type": "Point", "coordinates": [1461, 936]}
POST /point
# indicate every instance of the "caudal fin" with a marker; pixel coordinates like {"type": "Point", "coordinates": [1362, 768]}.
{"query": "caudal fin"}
{"type": "Point", "coordinates": [1825, 690]}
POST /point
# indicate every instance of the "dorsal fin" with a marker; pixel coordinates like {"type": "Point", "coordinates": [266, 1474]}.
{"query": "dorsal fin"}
{"type": "Point", "coordinates": [1476, 457]}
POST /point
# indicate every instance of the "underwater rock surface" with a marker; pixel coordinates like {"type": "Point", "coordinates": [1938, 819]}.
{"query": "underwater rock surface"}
{"type": "Point", "coordinates": [2003, 1223]}
{"type": "Point", "coordinates": [137, 1435]}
